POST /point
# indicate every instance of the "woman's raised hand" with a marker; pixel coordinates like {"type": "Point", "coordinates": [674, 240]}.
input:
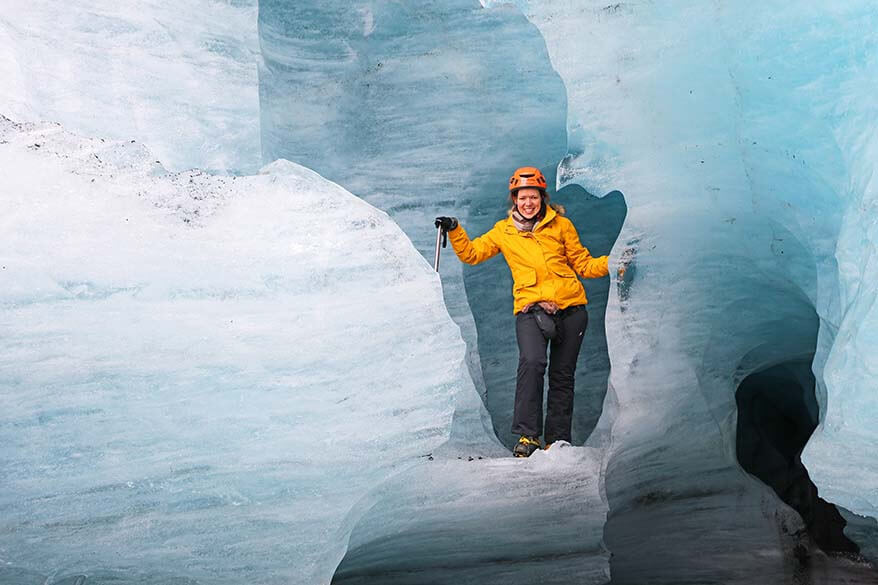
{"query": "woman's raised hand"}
{"type": "Point", "coordinates": [446, 223]}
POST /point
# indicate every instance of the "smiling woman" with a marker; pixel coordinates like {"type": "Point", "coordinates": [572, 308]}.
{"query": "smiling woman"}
{"type": "Point", "coordinates": [408, 107]}
{"type": "Point", "coordinates": [544, 254]}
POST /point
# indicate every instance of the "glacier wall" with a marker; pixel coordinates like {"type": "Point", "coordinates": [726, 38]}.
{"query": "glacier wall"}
{"type": "Point", "coordinates": [180, 77]}
{"type": "Point", "coordinates": [196, 368]}
{"type": "Point", "coordinates": [727, 129]}
{"type": "Point", "coordinates": [425, 109]}
{"type": "Point", "coordinates": [839, 453]}
{"type": "Point", "coordinates": [741, 137]}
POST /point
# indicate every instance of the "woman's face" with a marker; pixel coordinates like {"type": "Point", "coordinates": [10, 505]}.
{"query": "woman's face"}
{"type": "Point", "coordinates": [528, 201]}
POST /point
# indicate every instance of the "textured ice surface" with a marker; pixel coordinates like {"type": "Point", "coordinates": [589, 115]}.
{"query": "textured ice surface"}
{"type": "Point", "coordinates": [743, 139]}
{"type": "Point", "coordinates": [742, 136]}
{"type": "Point", "coordinates": [425, 109]}
{"type": "Point", "coordinates": [841, 452]}
{"type": "Point", "coordinates": [472, 522]}
{"type": "Point", "coordinates": [201, 376]}
{"type": "Point", "coordinates": [180, 76]}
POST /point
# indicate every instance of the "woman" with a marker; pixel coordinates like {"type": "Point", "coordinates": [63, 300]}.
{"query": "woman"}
{"type": "Point", "coordinates": [544, 255]}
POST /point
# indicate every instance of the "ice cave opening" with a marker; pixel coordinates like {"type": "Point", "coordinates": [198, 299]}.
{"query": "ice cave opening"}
{"type": "Point", "coordinates": [777, 413]}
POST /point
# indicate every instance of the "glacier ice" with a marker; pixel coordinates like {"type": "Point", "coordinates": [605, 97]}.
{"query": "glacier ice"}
{"type": "Point", "coordinates": [425, 109]}
{"type": "Point", "coordinates": [839, 454]}
{"type": "Point", "coordinates": [473, 522]}
{"type": "Point", "coordinates": [742, 137]}
{"type": "Point", "coordinates": [180, 77]}
{"type": "Point", "coordinates": [202, 376]}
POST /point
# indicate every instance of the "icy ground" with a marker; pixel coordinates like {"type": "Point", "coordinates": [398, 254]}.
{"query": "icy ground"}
{"type": "Point", "coordinates": [499, 520]}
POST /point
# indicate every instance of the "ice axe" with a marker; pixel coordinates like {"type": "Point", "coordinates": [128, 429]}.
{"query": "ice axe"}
{"type": "Point", "coordinates": [441, 236]}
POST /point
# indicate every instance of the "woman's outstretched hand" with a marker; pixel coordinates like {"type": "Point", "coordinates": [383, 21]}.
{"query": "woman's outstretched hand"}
{"type": "Point", "coordinates": [446, 223]}
{"type": "Point", "coordinates": [627, 258]}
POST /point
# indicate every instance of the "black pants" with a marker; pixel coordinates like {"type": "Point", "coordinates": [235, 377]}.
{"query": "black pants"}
{"type": "Point", "coordinates": [528, 416]}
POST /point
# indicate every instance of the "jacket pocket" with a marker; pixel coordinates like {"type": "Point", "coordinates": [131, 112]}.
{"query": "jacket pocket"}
{"type": "Point", "coordinates": [523, 278]}
{"type": "Point", "coordinates": [564, 273]}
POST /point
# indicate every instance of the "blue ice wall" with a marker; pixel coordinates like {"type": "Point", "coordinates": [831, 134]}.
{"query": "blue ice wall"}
{"type": "Point", "coordinates": [188, 373]}
{"type": "Point", "coordinates": [743, 137]}
{"type": "Point", "coordinates": [425, 109]}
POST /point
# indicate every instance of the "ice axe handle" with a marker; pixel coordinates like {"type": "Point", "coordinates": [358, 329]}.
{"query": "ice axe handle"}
{"type": "Point", "coordinates": [441, 238]}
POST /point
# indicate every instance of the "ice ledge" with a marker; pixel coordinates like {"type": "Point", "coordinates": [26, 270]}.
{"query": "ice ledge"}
{"type": "Point", "coordinates": [203, 373]}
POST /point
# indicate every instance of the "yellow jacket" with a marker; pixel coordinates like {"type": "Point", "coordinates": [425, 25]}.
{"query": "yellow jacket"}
{"type": "Point", "coordinates": [544, 263]}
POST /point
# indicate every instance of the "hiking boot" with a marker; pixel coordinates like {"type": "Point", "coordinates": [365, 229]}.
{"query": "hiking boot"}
{"type": "Point", "coordinates": [526, 446]}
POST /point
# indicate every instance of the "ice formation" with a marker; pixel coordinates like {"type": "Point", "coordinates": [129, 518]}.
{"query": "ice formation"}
{"type": "Point", "coordinates": [743, 140]}
{"type": "Point", "coordinates": [740, 139]}
{"type": "Point", "coordinates": [181, 77]}
{"type": "Point", "coordinates": [424, 110]}
{"type": "Point", "coordinates": [203, 375]}
{"type": "Point", "coordinates": [495, 520]}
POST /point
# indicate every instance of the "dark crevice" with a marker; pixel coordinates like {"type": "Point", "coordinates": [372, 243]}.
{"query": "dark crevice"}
{"type": "Point", "coordinates": [777, 412]}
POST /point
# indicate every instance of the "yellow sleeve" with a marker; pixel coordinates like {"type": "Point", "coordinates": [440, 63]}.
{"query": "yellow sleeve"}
{"type": "Point", "coordinates": [473, 251]}
{"type": "Point", "coordinates": [580, 258]}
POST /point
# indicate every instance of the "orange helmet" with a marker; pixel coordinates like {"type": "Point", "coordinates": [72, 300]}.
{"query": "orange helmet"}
{"type": "Point", "coordinates": [527, 177]}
